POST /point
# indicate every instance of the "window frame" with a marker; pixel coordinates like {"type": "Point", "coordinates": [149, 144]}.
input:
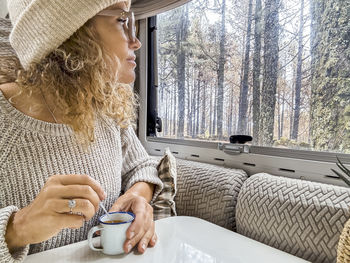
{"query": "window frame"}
{"type": "Point", "coordinates": [152, 77]}
{"type": "Point", "coordinates": [302, 164]}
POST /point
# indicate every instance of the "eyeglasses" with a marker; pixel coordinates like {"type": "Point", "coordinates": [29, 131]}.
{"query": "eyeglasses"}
{"type": "Point", "coordinates": [129, 21]}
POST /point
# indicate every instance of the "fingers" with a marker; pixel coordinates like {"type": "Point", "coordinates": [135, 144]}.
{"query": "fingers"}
{"type": "Point", "coordinates": [83, 206]}
{"type": "Point", "coordinates": [145, 240]}
{"type": "Point", "coordinates": [120, 205]}
{"type": "Point", "coordinates": [79, 179]}
{"type": "Point", "coordinates": [141, 234]}
{"type": "Point", "coordinates": [141, 231]}
{"type": "Point", "coordinates": [130, 243]}
{"type": "Point", "coordinates": [70, 221]}
{"type": "Point", "coordinates": [115, 208]}
{"type": "Point", "coordinates": [153, 240]}
{"type": "Point", "coordinates": [76, 191]}
{"type": "Point", "coordinates": [140, 223]}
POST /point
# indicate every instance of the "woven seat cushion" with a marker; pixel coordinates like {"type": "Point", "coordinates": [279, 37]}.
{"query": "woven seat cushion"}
{"type": "Point", "coordinates": [208, 191]}
{"type": "Point", "coordinates": [300, 217]}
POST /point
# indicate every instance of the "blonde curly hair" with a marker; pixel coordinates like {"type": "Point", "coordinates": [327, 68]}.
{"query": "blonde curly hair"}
{"type": "Point", "coordinates": [78, 77]}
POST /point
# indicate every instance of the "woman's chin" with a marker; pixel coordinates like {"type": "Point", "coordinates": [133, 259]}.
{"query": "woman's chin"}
{"type": "Point", "coordinates": [127, 79]}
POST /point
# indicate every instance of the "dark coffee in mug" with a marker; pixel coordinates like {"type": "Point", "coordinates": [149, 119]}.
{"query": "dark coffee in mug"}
{"type": "Point", "coordinates": [113, 221]}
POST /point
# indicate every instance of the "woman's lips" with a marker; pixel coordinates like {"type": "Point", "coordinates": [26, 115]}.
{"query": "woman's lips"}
{"type": "Point", "coordinates": [133, 58]}
{"type": "Point", "coordinates": [131, 61]}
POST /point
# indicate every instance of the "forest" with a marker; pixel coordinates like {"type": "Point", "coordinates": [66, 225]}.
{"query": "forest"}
{"type": "Point", "coordinates": [277, 70]}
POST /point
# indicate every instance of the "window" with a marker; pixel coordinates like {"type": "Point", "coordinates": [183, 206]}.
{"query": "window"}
{"type": "Point", "coordinates": [274, 69]}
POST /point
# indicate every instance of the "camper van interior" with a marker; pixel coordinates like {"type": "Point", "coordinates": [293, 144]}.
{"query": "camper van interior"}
{"type": "Point", "coordinates": [244, 107]}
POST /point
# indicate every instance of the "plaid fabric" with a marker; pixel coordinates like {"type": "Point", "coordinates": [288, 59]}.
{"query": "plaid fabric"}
{"type": "Point", "coordinates": [164, 205]}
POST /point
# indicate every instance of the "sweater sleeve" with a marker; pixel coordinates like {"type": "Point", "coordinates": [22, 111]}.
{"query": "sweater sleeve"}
{"type": "Point", "coordinates": [5, 255]}
{"type": "Point", "coordinates": [137, 165]}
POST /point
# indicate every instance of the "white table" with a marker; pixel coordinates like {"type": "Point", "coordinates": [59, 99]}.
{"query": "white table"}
{"type": "Point", "coordinates": [181, 240]}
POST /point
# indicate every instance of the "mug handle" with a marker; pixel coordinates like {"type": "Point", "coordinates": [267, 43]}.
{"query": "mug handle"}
{"type": "Point", "coordinates": [90, 234]}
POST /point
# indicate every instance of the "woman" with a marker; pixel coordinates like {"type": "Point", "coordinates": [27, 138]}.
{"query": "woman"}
{"type": "Point", "coordinates": [66, 141]}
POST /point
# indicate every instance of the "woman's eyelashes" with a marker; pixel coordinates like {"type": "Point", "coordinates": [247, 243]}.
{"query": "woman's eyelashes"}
{"type": "Point", "coordinates": [120, 20]}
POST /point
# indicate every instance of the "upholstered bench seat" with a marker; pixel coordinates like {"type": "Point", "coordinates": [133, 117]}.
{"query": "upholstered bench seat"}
{"type": "Point", "coordinates": [208, 191]}
{"type": "Point", "coordinates": [300, 217]}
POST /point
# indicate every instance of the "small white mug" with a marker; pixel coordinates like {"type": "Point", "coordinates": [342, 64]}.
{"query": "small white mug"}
{"type": "Point", "coordinates": [113, 235]}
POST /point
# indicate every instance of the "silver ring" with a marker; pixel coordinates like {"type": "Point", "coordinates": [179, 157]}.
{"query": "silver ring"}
{"type": "Point", "coordinates": [71, 204]}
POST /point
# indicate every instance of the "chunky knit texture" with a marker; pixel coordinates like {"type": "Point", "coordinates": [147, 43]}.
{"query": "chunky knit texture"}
{"type": "Point", "coordinates": [32, 150]}
{"type": "Point", "coordinates": [9, 63]}
{"type": "Point", "coordinates": [5, 30]}
{"type": "Point", "coordinates": [41, 26]}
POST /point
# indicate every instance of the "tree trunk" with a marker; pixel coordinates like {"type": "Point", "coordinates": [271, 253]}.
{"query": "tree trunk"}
{"type": "Point", "coordinates": [211, 115]}
{"type": "Point", "coordinates": [181, 38]}
{"type": "Point", "coordinates": [189, 121]}
{"type": "Point", "coordinates": [271, 35]}
{"type": "Point", "coordinates": [215, 113]}
{"type": "Point", "coordinates": [171, 109]}
{"type": "Point", "coordinates": [291, 114]}
{"type": "Point", "coordinates": [175, 113]}
{"type": "Point", "coordinates": [229, 115]}
{"type": "Point", "coordinates": [243, 98]}
{"type": "Point", "coordinates": [166, 121]}
{"type": "Point", "coordinates": [235, 111]}
{"type": "Point", "coordinates": [221, 72]}
{"type": "Point", "coordinates": [187, 101]}
{"type": "Point", "coordinates": [174, 109]}
{"type": "Point", "coordinates": [330, 74]}
{"type": "Point", "coordinates": [198, 103]}
{"type": "Point", "coordinates": [282, 114]}
{"type": "Point", "coordinates": [203, 105]}
{"type": "Point", "coordinates": [249, 125]}
{"type": "Point", "coordinates": [194, 111]}
{"type": "Point", "coordinates": [299, 75]}
{"type": "Point", "coordinates": [279, 114]}
{"type": "Point", "coordinates": [257, 70]}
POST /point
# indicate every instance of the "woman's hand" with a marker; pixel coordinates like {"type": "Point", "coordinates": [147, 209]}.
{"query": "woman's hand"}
{"type": "Point", "coordinates": [141, 231]}
{"type": "Point", "coordinates": [49, 212]}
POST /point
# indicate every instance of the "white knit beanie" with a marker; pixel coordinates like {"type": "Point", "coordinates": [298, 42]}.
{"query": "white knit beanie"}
{"type": "Point", "coordinates": [41, 26]}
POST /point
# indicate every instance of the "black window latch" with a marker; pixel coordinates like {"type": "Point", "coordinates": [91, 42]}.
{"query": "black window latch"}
{"type": "Point", "coordinates": [240, 139]}
{"type": "Point", "coordinates": [159, 124]}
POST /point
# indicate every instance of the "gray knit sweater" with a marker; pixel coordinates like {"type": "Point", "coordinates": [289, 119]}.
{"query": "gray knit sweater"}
{"type": "Point", "coordinates": [32, 150]}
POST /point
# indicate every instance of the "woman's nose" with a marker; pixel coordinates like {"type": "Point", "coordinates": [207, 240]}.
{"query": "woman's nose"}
{"type": "Point", "coordinates": [135, 45]}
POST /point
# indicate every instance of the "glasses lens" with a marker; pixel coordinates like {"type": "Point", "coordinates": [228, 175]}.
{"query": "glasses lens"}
{"type": "Point", "coordinates": [131, 27]}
